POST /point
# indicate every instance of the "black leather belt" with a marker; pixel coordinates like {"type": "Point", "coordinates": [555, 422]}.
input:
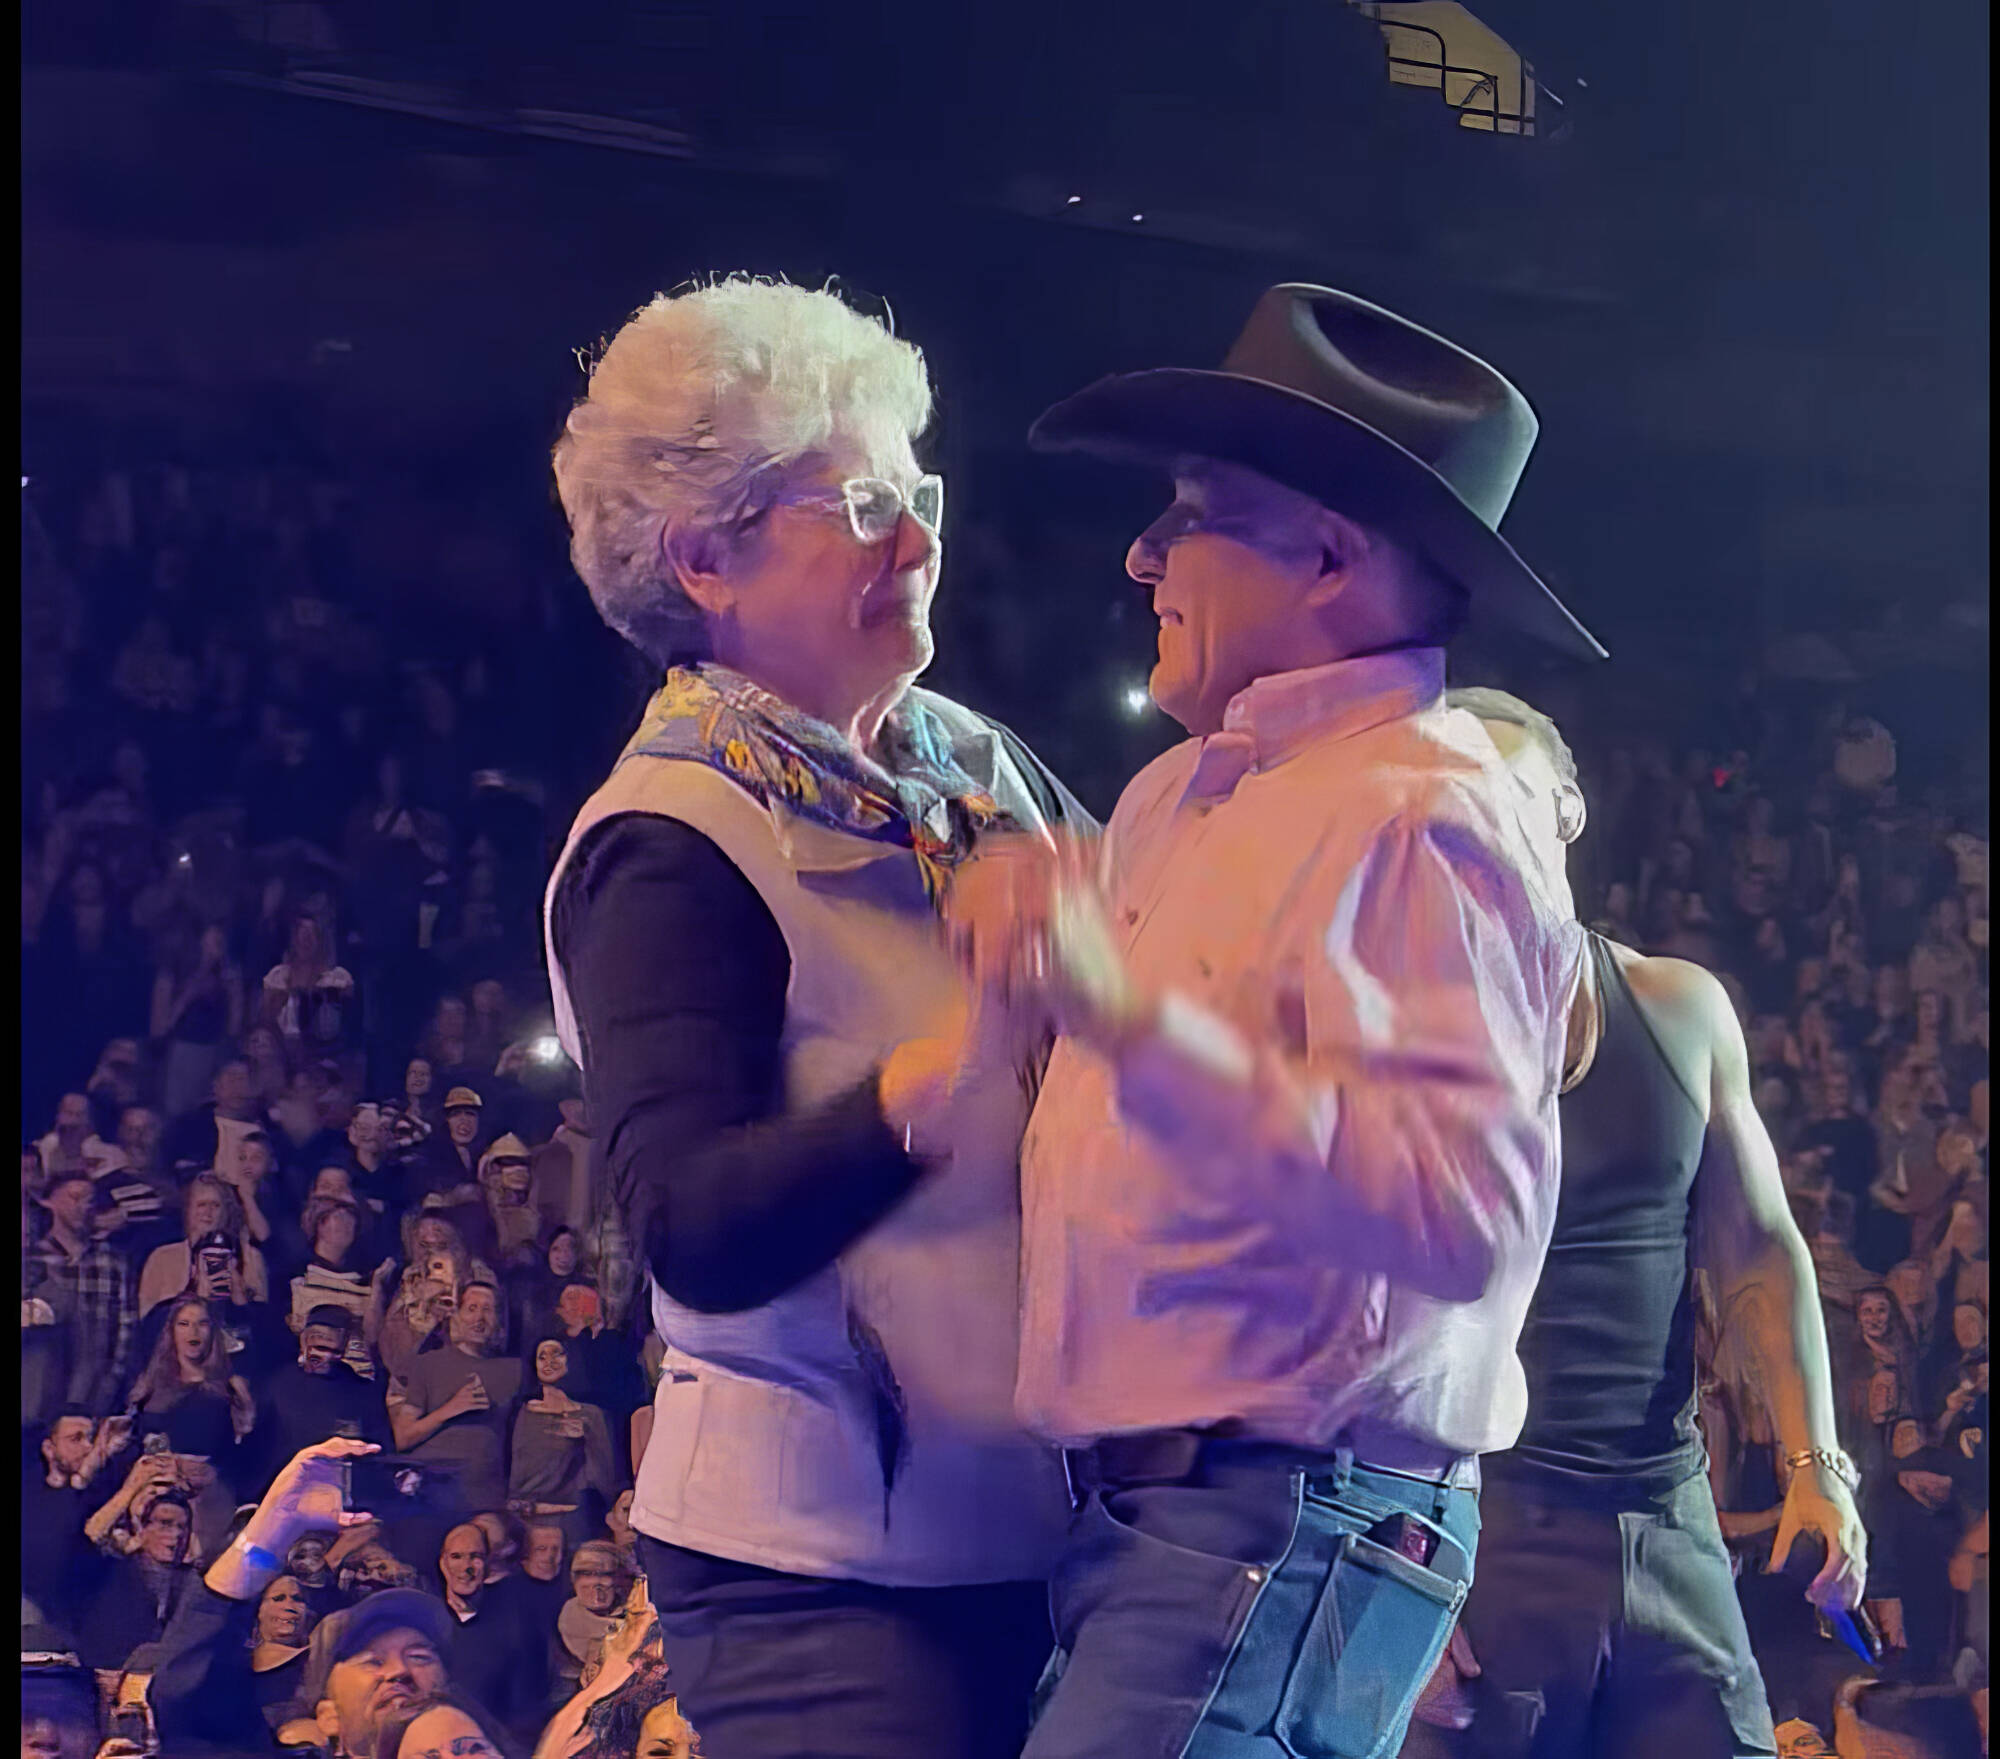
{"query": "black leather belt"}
{"type": "Point", "coordinates": [1174, 1456]}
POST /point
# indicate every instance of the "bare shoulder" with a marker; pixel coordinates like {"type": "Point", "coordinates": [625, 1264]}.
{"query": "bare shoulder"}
{"type": "Point", "coordinates": [1686, 1000]}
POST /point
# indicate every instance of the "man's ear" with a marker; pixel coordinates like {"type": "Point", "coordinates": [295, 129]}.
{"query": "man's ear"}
{"type": "Point", "coordinates": [1344, 548]}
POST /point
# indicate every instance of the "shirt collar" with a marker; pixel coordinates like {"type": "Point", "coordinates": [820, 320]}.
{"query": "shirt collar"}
{"type": "Point", "coordinates": [1288, 710]}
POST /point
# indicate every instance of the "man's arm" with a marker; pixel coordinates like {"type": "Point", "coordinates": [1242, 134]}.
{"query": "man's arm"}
{"type": "Point", "coordinates": [1746, 1237]}
{"type": "Point", "coordinates": [1397, 1112]}
{"type": "Point", "coordinates": [412, 1426]}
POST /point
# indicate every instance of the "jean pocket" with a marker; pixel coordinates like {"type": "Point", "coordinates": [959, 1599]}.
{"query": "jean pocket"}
{"type": "Point", "coordinates": [1376, 1633]}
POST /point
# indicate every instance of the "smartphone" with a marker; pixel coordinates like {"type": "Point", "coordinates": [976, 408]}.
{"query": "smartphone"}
{"type": "Point", "coordinates": [134, 1723]}
{"type": "Point", "coordinates": [392, 1485]}
{"type": "Point", "coordinates": [1408, 1535]}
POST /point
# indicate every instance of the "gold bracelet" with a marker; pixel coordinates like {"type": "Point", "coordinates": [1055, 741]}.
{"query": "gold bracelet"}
{"type": "Point", "coordinates": [1834, 1460]}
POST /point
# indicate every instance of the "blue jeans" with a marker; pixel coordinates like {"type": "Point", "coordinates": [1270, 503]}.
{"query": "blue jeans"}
{"type": "Point", "coordinates": [1243, 1614]}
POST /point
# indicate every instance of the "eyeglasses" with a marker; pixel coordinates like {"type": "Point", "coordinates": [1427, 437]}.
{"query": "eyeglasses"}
{"type": "Point", "coordinates": [875, 506]}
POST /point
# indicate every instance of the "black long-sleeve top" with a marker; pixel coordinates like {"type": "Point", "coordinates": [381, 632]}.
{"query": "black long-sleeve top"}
{"type": "Point", "coordinates": [677, 974]}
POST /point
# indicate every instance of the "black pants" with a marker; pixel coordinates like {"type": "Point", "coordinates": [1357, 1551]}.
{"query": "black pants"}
{"type": "Point", "coordinates": [1605, 1633]}
{"type": "Point", "coordinates": [771, 1666]}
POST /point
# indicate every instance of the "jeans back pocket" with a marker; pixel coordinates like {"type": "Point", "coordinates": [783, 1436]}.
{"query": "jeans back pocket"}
{"type": "Point", "coordinates": [1380, 1625]}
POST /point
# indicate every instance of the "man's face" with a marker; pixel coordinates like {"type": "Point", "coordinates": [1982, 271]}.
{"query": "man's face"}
{"type": "Point", "coordinates": [1968, 1329]}
{"type": "Point", "coordinates": [1228, 566]}
{"type": "Point", "coordinates": [232, 1090]}
{"type": "Point", "coordinates": [596, 1585]}
{"type": "Point", "coordinates": [72, 1119]}
{"type": "Point", "coordinates": [1906, 1438]}
{"type": "Point", "coordinates": [463, 1560]}
{"type": "Point", "coordinates": [69, 1203]}
{"type": "Point", "coordinates": [542, 1556]}
{"type": "Point", "coordinates": [463, 1123]}
{"type": "Point", "coordinates": [67, 1444]}
{"type": "Point", "coordinates": [1800, 1740]}
{"type": "Point", "coordinates": [307, 1561]}
{"type": "Point", "coordinates": [320, 1347]}
{"type": "Point", "coordinates": [395, 1669]}
{"type": "Point", "coordinates": [364, 1129]}
{"type": "Point", "coordinates": [477, 1318]}
{"type": "Point", "coordinates": [1882, 1396]}
{"type": "Point", "coordinates": [1872, 1311]}
{"type": "Point", "coordinates": [163, 1538]}
{"type": "Point", "coordinates": [139, 1135]}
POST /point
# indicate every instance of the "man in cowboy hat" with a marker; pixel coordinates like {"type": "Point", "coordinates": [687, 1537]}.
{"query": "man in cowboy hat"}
{"type": "Point", "coordinates": [1291, 1176]}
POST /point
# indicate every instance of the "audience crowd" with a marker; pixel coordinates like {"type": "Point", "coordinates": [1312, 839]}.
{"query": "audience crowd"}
{"type": "Point", "coordinates": [302, 1161]}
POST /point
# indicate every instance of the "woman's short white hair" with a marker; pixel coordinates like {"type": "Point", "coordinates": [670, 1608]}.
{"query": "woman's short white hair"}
{"type": "Point", "coordinates": [694, 413]}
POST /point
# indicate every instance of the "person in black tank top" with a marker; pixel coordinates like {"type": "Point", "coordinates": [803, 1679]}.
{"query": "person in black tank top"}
{"type": "Point", "coordinates": [1603, 1621]}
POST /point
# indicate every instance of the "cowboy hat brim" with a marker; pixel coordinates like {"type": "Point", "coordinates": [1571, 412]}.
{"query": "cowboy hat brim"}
{"type": "Point", "coordinates": [1153, 417]}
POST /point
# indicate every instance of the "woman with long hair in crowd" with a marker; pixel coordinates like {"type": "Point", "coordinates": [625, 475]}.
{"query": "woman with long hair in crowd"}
{"type": "Point", "coordinates": [189, 1392]}
{"type": "Point", "coordinates": [197, 1010]}
{"type": "Point", "coordinates": [230, 1269]}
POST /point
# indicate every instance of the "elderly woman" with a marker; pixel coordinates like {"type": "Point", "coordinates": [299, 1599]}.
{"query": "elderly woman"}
{"type": "Point", "coordinates": [811, 1131]}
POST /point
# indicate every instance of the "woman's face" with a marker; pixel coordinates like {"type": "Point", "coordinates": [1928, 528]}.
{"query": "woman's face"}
{"type": "Point", "coordinates": [562, 1253]}
{"type": "Point", "coordinates": [261, 1045]}
{"type": "Point", "coordinates": [446, 1731]}
{"type": "Point", "coordinates": [204, 1212]}
{"type": "Point", "coordinates": [192, 1331]}
{"type": "Point", "coordinates": [1968, 1326]}
{"type": "Point", "coordinates": [417, 1079]}
{"type": "Point", "coordinates": [304, 947]}
{"type": "Point", "coordinates": [335, 1238]}
{"type": "Point", "coordinates": [282, 1613]}
{"type": "Point", "coordinates": [665, 1734]}
{"type": "Point", "coordinates": [551, 1362]}
{"type": "Point", "coordinates": [1872, 1313]}
{"type": "Point", "coordinates": [333, 1182]}
{"type": "Point", "coordinates": [799, 601]}
{"type": "Point", "coordinates": [432, 1236]}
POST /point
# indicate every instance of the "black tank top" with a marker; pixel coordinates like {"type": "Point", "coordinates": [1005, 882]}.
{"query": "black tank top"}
{"type": "Point", "coordinates": [1609, 1342]}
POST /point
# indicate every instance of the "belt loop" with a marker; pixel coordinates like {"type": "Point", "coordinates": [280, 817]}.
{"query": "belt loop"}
{"type": "Point", "coordinates": [1441, 1497]}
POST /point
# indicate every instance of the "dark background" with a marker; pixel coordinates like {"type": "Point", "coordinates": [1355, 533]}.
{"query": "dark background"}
{"type": "Point", "coordinates": [1741, 272]}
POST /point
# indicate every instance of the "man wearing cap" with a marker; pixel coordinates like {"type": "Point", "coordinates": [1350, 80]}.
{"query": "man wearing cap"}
{"type": "Point", "coordinates": [451, 1160]}
{"type": "Point", "coordinates": [363, 1662]}
{"type": "Point", "coordinates": [1291, 1175]}
{"type": "Point", "coordinates": [318, 1395]}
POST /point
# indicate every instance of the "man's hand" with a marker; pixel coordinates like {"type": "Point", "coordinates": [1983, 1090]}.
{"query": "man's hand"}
{"type": "Point", "coordinates": [308, 1496]}
{"type": "Point", "coordinates": [469, 1398]}
{"type": "Point", "coordinates": [1821, 1504]}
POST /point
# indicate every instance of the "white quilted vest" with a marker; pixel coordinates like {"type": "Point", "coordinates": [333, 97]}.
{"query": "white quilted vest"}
{"type": "Point", "coordinates": [764, 1446]}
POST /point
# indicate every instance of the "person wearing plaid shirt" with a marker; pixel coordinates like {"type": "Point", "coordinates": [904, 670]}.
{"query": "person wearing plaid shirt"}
{"type": "Point", "coordinates": [88, 1287]}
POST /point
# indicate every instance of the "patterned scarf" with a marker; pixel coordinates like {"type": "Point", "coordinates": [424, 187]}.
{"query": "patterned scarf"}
{"type": "Point", "coordinates": [916, 798]}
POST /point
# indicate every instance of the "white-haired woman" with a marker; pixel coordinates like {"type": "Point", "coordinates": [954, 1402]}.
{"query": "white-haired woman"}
{"type": "Point", "coordinates": [812, 1132]}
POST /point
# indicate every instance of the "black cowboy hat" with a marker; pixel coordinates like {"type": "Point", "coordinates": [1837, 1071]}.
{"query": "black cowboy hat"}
{"type": "Point", "coordinates": [1365, 412]}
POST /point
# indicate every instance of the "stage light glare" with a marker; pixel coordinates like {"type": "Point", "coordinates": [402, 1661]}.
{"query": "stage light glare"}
{"type": "Point", "coordinates": [1135, 699]}
{"type": "Point", "coordinates": [1073, 200]}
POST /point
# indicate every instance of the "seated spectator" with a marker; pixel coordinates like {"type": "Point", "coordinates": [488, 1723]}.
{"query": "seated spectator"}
{"type": "Point", "coordinates": [490, 1655]}
{"type": "Point", "coordinates": [197, 1010]}
{"type": "Point", "coordinates": [450, 1161]}
{"type": "Point", "coordinates": [64, 1487]}
{"type": "Point", "coordinates": [285, 1621]}
{"type": "Point", "coordinates": [308, 997]}
{"type": "Point", "coordinates": [59, 1697]}
{"type": "Point", "coordinates": [599, 1581]}
{"type": "Point", "coordinates": [562, 1454]}
{"type": "Point", "coordinates": [188, 1393]}
{"type": "Point", "coordinates": [73, 1145]}
{"type": "Point", "coordinates": [537, 1290]}
{"type": "Point", "coordinates": [447, 1722]}
{"type": "Point", "coordinates": [87, 1287]}
{"type": "Point", "coordinates": [147, 1197]}
{"type": "Point", "coordinates": [141, 1590]}
{"type": "Point", "coordinates": [207, 1137]}
{"type": "Point", "coordinates": [231, 1271]}
{"type": "Point", "coordinates": [503, 1179]}
{"type": "Point", "coordinates": [452, 1405]}
{"type": "Point", "coordinates": [318, 1395]}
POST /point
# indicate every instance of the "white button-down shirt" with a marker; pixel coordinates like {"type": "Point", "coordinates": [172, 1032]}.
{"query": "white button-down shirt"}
{"type": "Point", "coordinates": [1318, 1199]}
